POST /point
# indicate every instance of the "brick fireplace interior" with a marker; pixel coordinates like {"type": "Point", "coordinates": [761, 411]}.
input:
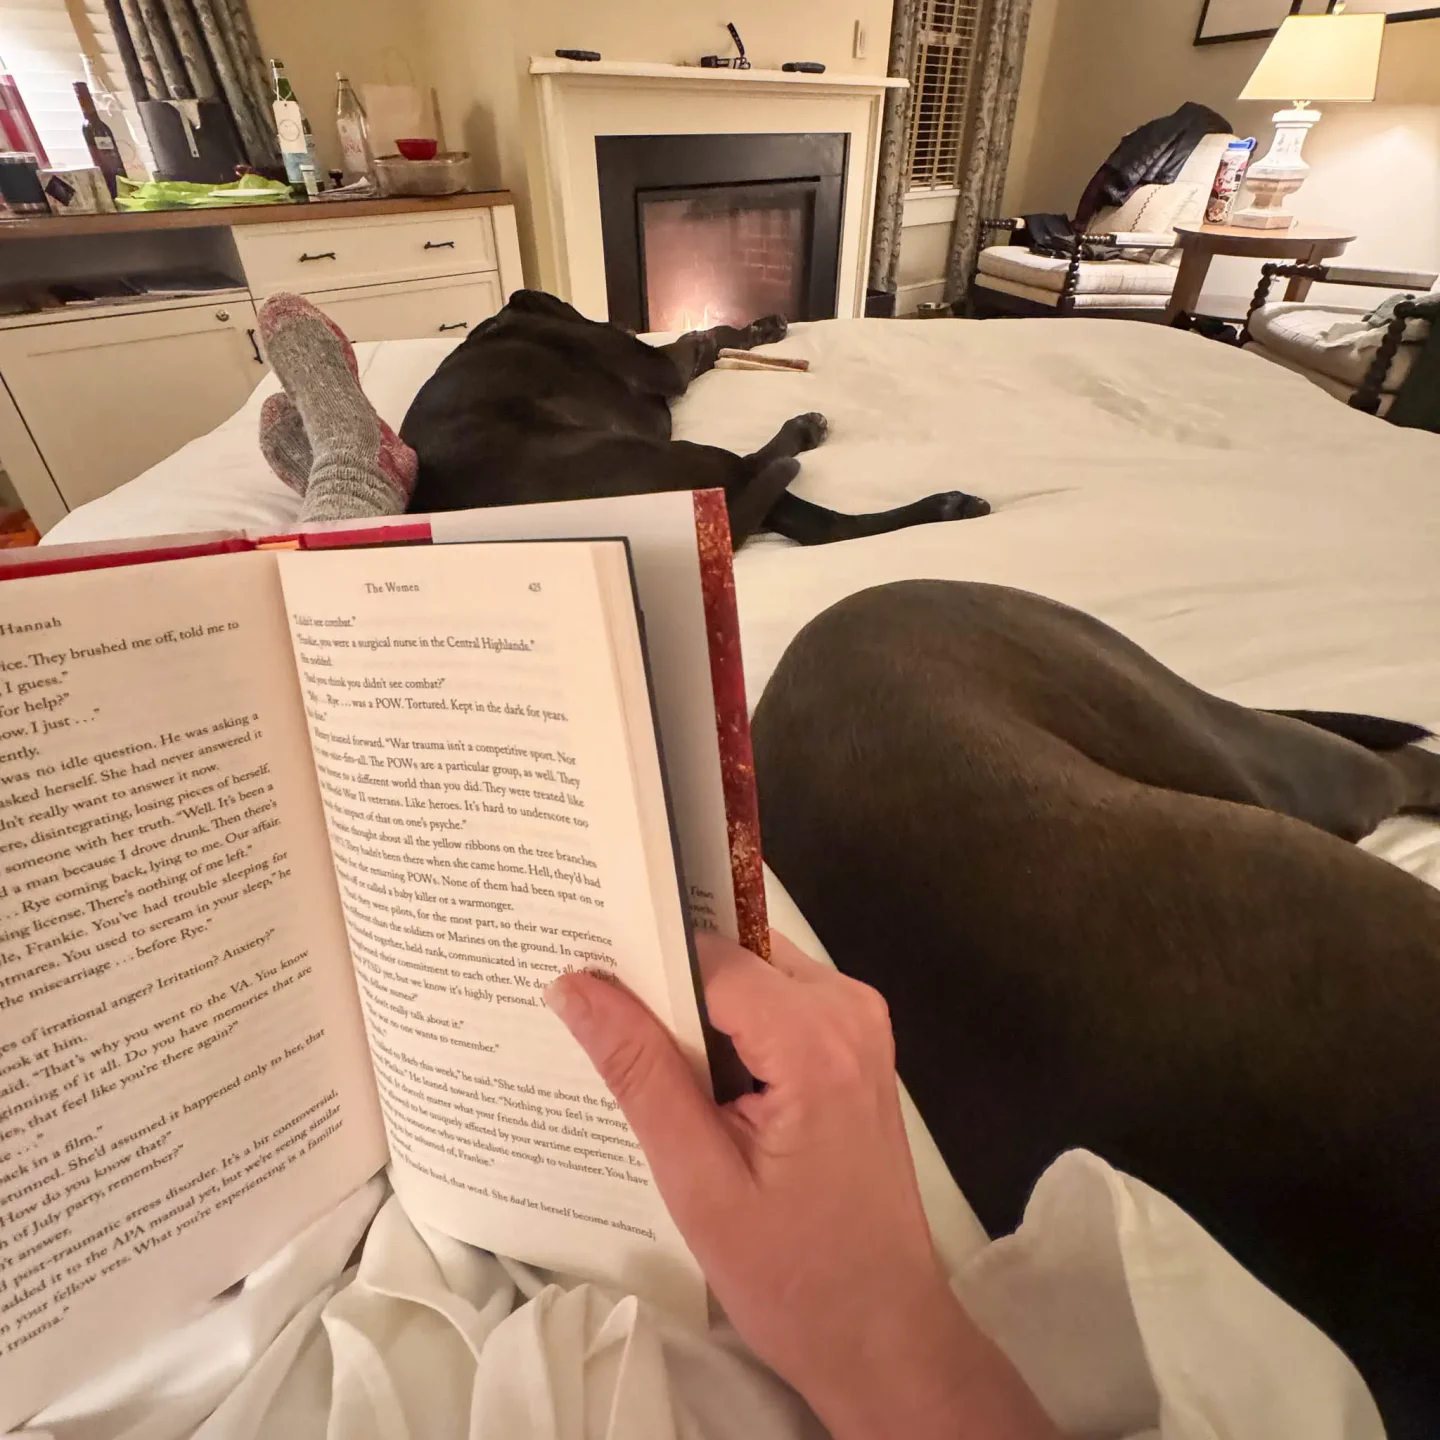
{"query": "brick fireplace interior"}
{"type": "Point", "coordinates": [704, 230]}
{"type": "Point", "coordinates": [722, 257]}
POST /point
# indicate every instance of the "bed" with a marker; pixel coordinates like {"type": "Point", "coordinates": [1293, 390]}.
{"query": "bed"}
{"type": "Point", "coordinates": [1268, 543]}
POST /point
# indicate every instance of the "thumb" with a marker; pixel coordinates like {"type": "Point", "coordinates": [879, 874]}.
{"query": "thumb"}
{"type": "Point", "coordinates": [692, 1154]}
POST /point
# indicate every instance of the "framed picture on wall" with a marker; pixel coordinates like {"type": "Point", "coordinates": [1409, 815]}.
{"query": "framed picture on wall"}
{"type": "Point", "coordinates": [1396, 9]}
{"type": "Point", "coordinates": [1223, 20]}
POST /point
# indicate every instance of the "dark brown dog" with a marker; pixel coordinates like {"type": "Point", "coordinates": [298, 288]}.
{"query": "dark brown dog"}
{"type": "Point", "coordinates": [540, 403]}
{"type": "Point", "coordinates": [1109, 910]}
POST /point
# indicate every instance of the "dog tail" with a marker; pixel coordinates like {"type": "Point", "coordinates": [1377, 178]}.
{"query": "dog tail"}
{"type": "Point", "coordinates": [1374, 732]}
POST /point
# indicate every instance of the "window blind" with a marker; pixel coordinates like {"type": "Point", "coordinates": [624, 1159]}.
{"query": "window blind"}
{"type": "Point", "coordinates": [41, 43]}
{"type": "Point", "coordinates": [940, 75]}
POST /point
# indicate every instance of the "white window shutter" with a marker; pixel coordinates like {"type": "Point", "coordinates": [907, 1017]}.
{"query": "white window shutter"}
{"type": "Point", "coordinates": [41, 42]}
{"type": "Point", "coordinates": [940, 73]}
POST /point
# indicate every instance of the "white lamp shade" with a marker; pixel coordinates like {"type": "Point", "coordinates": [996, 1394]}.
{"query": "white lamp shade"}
{"type": "Point", "coordinates": [1320, 57]}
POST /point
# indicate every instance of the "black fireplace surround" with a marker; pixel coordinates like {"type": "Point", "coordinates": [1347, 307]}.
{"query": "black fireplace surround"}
{"type": "Point", "coordinates": [800, 173]}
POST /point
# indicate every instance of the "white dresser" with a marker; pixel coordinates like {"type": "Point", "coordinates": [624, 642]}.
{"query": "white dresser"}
{"type": "Point", "coordinates": [90, 397]}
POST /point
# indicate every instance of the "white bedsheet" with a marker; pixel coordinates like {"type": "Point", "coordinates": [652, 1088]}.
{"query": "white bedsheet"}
{"type": "Point", "coordinates": [1265, 541]}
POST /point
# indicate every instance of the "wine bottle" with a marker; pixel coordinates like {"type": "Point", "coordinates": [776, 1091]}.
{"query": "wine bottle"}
{"type": "Point", "coordinates": [133, 161]}
{"type": "Point", "coordinates": [297, 143]}
{"type": "Point", "coordinates": [357, 160]}
{"type": "Point", "coordinates": [99, 139]}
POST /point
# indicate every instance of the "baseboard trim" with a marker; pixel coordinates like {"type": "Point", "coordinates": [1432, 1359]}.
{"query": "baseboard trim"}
{"type": "Point", "coordinates": [908, 297]}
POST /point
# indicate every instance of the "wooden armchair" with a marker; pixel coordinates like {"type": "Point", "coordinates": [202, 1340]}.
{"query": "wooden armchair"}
{"type": "Point", "coordinates": [1047, 297]}
{"type": "Point", "coordinates": [1367, 368]}
{"type": "Point", "coordinates": [1009, 280]}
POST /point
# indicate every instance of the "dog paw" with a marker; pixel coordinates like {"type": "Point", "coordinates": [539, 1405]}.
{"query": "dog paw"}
{"type": "Point", "coordinates": [768, 329]}
{"type": "Point", "coordinates": [809, 430]}
{"type": "Point", "coordinates": [957, 505]}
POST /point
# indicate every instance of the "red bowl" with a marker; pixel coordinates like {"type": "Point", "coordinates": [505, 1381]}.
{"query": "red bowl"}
{"type": "Point", "coordinates": [417, 149]}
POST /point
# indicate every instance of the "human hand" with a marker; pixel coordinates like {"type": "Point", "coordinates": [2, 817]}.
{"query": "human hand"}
{"type": "Point", "coordinates": [800, 1202]}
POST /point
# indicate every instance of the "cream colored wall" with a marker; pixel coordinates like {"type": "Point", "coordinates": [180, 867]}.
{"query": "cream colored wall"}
{"type": "Point", "coordinates": [1110, 65]}
{"type": "Point", "coordinates": [1039, 47]}
{"type": "Point", "coordinates": [374, 40]}
{"type": "Point", "coordinates": [479, 57]}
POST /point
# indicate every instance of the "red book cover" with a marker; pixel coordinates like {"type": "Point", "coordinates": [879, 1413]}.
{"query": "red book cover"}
{"type": "Point", "coordinates": [62, 559]}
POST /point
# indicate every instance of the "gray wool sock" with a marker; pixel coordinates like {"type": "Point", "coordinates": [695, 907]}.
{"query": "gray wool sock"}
{"type": "Point", "coordinates": [283, 441]}
{"type": "Point", "coordinates": [360, 466]}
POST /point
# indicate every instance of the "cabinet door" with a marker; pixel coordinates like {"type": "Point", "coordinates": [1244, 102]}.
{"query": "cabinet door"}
{"type": "Point", "coordinates": [416, 310]}
{"type": "Point", "coordinates": [109, 396]}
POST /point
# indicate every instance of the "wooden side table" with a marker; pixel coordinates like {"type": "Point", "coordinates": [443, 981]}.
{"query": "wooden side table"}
{"type": "Point", "coordinates": [1199, 244]}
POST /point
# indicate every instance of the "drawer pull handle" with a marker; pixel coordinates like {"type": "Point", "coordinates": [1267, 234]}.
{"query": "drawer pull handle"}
{"type": "Point", "coordinates": [323, 255]}
{"type": "Point", "coordinates": [458, 325]}
{"type": "Point", "coordinates": [255, 346]}
{"type": "Point", "coordinates": [439, 244]}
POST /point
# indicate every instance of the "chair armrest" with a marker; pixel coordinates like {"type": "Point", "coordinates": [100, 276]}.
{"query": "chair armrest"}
{"type": "Point", "coordinates": [1418, 280]}
{"type": "Point", "coordinates": [1138, 240]}
{"type": "Point", "coordinates": [1000, 222]}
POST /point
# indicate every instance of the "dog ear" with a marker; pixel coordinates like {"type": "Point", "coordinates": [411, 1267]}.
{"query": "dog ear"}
{"type": "Point", "coordinates": [538, 302]}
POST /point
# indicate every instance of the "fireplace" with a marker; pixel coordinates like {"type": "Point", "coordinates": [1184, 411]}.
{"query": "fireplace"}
{"type": "Point", "coordinates": [704, 230]}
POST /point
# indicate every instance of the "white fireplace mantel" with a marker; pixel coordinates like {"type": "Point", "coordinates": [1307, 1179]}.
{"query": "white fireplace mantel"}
{"type": "Point", "coordinates": [578, 100]}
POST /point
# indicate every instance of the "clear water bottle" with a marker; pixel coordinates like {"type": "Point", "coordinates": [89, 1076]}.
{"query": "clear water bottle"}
{"type": "Point", "coordinates": [357, 159]}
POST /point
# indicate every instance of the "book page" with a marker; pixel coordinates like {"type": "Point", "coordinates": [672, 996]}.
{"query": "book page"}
{"type": "Point", "coordinates": [662, 534]}
{"type": "Point", "coordinates": [497, 815]}
{"type": "Point", "coordinates": [183, 1077]}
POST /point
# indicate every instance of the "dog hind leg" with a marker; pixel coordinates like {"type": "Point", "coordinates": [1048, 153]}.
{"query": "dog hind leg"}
{"type": "Point", "coordinates": [810, 524]}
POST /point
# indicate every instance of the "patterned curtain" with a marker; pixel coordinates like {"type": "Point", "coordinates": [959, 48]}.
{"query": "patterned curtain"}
{"type": "Point", "coordinates": [199, 50]}
{"type": "Point", "coordinates": [892, 180]}
{"type": "Point", "coordinates": [996, 84]}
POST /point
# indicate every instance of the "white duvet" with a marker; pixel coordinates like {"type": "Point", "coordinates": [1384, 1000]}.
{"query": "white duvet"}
{"type": "Point", "coordinates": [1260, 538]}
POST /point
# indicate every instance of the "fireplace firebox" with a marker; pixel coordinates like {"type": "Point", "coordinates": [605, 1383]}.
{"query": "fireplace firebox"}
{"type": "Point", "coordinates": [704, 230]}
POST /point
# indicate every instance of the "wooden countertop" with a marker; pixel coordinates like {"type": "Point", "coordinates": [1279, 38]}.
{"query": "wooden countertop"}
{"type": "Point", "coordinates": [53, 227]}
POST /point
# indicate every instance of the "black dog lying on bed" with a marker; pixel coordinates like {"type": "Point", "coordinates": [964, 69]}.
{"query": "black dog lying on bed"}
{"type": "Point", "coordinates": [1108, 910]}
{"type": "Point", "coordinates": [540, 403]}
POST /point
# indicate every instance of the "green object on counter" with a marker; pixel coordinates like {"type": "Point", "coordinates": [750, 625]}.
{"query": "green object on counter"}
{"type": "Point", "coordinates": [182, 195]}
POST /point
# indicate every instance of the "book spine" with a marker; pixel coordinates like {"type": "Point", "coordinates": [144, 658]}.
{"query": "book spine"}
{"type": "Point", "coordinates": [732, 718]}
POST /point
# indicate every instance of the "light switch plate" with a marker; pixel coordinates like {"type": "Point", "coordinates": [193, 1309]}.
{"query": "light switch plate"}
{"type": "Point", "coordinates": [860, 38]}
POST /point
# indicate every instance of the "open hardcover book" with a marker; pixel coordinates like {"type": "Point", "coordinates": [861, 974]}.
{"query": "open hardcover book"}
{"type": "Point", "coordinates": [293, 833]}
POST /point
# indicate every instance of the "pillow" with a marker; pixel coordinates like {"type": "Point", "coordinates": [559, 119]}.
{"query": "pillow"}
{"type": "Point", "coordinates": [1151, 210]}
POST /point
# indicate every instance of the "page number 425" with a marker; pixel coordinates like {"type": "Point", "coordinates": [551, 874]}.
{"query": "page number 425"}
{"type": "Point", "coordinates": [535, 586]}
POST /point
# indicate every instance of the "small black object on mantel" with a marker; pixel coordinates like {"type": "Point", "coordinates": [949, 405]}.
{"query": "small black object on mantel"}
{"type": "Point", "coordinates": [804, 67]}
{"type": "Point", "coordinates": [728, 62]}
{"type": "Point", "coordinates": [577, 54]}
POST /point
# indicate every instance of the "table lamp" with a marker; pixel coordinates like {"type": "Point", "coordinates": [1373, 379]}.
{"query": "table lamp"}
{"type": "Point", "coordinates": [1320, 57]}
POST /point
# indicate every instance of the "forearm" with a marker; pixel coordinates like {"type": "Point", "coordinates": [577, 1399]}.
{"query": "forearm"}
{"type": "Point", "coordinates": [928, 1374]}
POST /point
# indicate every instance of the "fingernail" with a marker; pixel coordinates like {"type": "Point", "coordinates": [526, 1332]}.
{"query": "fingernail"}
{"type": "Point", "coordinates": [570, 1004]}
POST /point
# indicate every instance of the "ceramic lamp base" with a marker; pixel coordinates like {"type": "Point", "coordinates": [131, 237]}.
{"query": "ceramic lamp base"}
{"type": "Point", "coordinates": [1280, 174]}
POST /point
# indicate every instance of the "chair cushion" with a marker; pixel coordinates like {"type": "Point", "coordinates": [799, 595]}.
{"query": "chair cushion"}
{"type": "Point", "coordinates": [1095, 300]}
{"type": "Point", "coordinates": [1330, 340]}
{"type": "Point", "coordinates": [1338, 388]}
{"type": "Point", "coordinates": [1097, 277]}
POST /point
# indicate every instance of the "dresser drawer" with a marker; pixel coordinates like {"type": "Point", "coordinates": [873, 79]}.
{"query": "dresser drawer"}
{"type": "Point", "coordinates": [421, 310]}
{"type": "Point", "coordinates": [326, 255]}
